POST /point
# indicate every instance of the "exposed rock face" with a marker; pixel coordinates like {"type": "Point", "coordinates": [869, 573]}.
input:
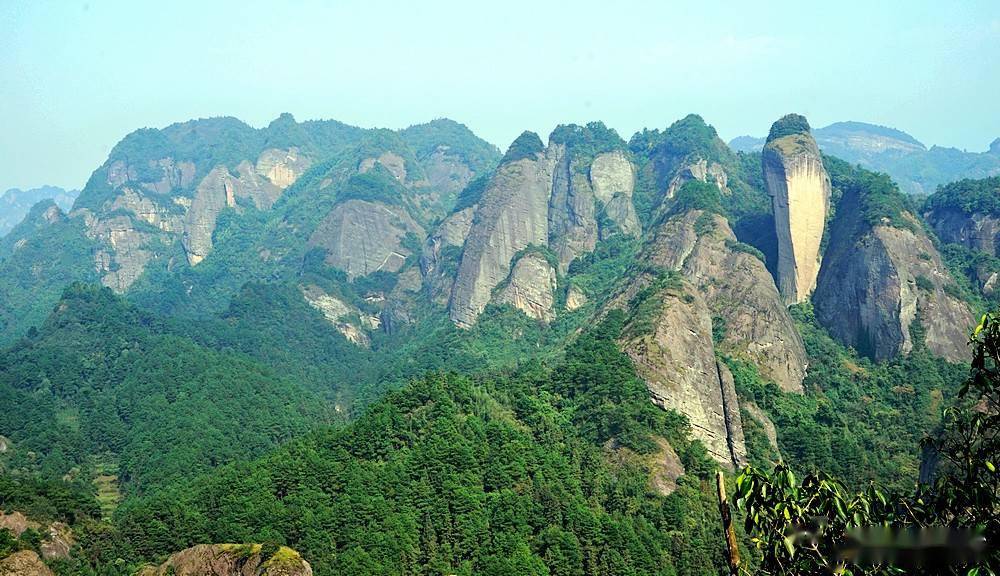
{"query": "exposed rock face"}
{"type": "Point", "coordinates": [762, 418]}
{"type": "Point", "coordinates": [612, 176]}
{"type": "Point", "coordinates": [4, 444]}
{"type": "Point", "coordinates": [16, 523]}
{"type": "Point", "coordinates": [391, 161]}
{"type": "Point", "coordinates": [215, 193]}
{"type": "Point", "coordinates": [512, 214]}
{"type": "Point", "coordinates": [548, 197]}
{"type": "Point", "coordinates": [976, 231]}
{"type": "Point", "coordinates": [665, 468]}
{"type": "Point", "coordinates": [531, 287]}
{"type": "Point", "coordinates": [362, 237]}
{"type": "Point", "coordinates": [878, 282]}
{"type": "Point", "coordinates": [24, 563]}
{"type": "Point", "coordinates": [57, 538]}
{"type": "Point", "coordinates": [572, 212]}
{"type": "Point", "coordinates": [800, 191]}
{"type": "Point", "coordinates": [575, 298]}
{"type": "Point", "coordinates": [230, 560]}
{"type": "Point", "coordinates": [281, 167]}
{"type": "Point", "coordinates": [442, 253]}
{"type": "Point", "coordinates": [677, 361]}
{"type": "Point", "coordinates": [337, 312]}
{"type": "Point", "coordinates": [738, 289]}
{"type": "Point", "coordinates": [701, 170]}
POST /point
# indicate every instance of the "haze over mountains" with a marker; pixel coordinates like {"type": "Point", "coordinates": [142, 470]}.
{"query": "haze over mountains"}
{"type": "Point", "coordinates": [15, 203]}
{"type": "Point", "coordinates": [401, 349]}
{"type": "Point", "coordinates": [917, 169]}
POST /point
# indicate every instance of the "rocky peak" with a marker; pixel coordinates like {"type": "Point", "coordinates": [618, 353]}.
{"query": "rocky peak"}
{"type": "Point", "coordinates": [564, 198]}
{"type": "Point", "coordinates": [232, 560]}
{"type": "Point", "coordinates": [739, 292]}
{"type": "Point", "coordinates": [669, 339]}
{"type": "Point", "coordinates": [995, 147]}
{"type": "Point", "coordinates": [883, 288]}
{"type": "Point", "coordinates": [800, 191]}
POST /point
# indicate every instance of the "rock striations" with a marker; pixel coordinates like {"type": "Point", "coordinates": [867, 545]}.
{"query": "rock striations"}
{"type": "Point", "coordinates": [563, 197]}
{"type": "Point", "coordinates": [800, 193]}
{"type": "Point", "coordinates": [884, 290]}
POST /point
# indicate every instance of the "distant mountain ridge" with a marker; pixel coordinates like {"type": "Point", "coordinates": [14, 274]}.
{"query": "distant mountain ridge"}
{"type": "Point", "coordinates": [15, 203]}
{"type": "Point", "coordinates": [916, 168]}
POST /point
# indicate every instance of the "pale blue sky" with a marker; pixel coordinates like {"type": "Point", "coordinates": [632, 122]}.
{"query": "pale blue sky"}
{"type": "Point", "coordinates": [77, 76]}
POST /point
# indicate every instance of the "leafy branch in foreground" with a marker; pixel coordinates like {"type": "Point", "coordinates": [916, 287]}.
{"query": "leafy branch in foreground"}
{"type": "Point", "coordinates": [949, 524]}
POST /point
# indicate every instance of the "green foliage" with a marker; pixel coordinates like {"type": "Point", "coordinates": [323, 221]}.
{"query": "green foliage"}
{"type": "Point", "coordinates": [452, 138]}
{"type": "Point", "coordinates": [967, 196]}
{"type": "Point", "coordinates": [859, 421]}
{"type": "Point", "coordinates": [880, 201]}
{"type": "Point", "coordinates": [745, 248]}
{"type": "Point", "coordinates": [454, 476]}
{"type": "Point", "coordinates": [797, 528]}
{"type": "Point", "coordinates": [472, 193]}
{"type": "Point", "coordinates": [587, 142]}
{"type": "Point", "coordinates": [100, 376]}
{"type": "Point", "coordinates": [788, 125]}
{"type": "Point", "coordinates": [697, 195]}
{"type": "Point", "coordinates": [527, 145]}
{"type": "Point", "coordinates": [376, 185]}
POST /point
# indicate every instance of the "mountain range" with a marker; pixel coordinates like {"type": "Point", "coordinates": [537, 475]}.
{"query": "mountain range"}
{"type": "Point", "coordinates": [403, 351]}
{"type": "Point", "coordinates": [916, 168]}
{"type": "Point", "coordinates": [15, 203]}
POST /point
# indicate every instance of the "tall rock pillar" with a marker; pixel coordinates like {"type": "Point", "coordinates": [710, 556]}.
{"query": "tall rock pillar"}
{"type": "Point", "coordinates": [800, 192]}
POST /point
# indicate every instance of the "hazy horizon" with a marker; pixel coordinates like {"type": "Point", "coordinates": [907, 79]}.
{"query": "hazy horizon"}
{"type": "Point", "coordinates": [78, 77]}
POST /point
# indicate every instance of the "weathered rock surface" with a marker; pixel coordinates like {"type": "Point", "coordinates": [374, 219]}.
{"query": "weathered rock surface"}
{"type": "Point", "coordinates": [677, 361]}
{"type": "Point", "coordinates": [738, 289]}
{"type": "Point", "coordinates": [24, 563]}
{"type": "Point", "coordinates": [701, 170]}
{"type": "Point", "coordinates": [57, 538]}
{"type": "Point", "coordinates": [512, 214]}
{"type": "Point", "coordinates": [575, 298]}
{"type": "Point", "coordinates": [612, 176]}
{"type": "Point", "coordinates": [800, 191]}
{"type": "Point", "coordinates": [878, 282]}
{"type": "Point", "coordinates": [665, 468]}
{"type": "Point", "coordinates": [337, 312]}
{"type": "Point", "coordinates": [976, 231]}
{"type": "Point", "coordinates": [531, 287]}
{"type": "Point", "coordinates": [442, 253]}
{"type": "Point", "coordinates": [362, 237]}
{"type": "Point", "coordinates": [551, 197]}
{"type": "Point", "coordinates": [5, 444]}
{"type": "Point", "coordinates": [230, 560]}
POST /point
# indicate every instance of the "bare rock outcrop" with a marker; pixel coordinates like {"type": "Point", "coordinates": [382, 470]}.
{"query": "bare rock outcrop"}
{"type": "Point", "coordinates": [442, 253]}
{"type": "Point", "coordinates": [231, 560]}
{"type": "Point", "coordinates": [512, 214]}
{"type": "Point", "coordinates": [563, 197]}
{"type": "Point", "coordinates": [977, 231]}
{"type": "Point", "coordinates": [338, 313]}
{"type": "Point", "coordinates": [531, 287]}
{"type": "Point", "coordinates": [24, 563]}
{"type": "Point", "coordinates": [882, 286]}
{"type": "Point", "coordinates": [362, 237]}
{"type": "Point", "coordinates": [800, 191]}
{"type": "Point", "coordinates": [673, 353]}
{"type": "Point", "coordinates": [738, 290]}
{"type": "Point", "coordinates": [612, 176]}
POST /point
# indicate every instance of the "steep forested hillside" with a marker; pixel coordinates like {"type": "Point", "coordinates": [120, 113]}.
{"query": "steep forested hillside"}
{"type": "Point", "coordinates": [398, 352]}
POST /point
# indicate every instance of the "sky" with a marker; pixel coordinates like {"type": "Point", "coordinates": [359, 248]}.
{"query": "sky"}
{"type": "Point", "coordinates": [75, 77]}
